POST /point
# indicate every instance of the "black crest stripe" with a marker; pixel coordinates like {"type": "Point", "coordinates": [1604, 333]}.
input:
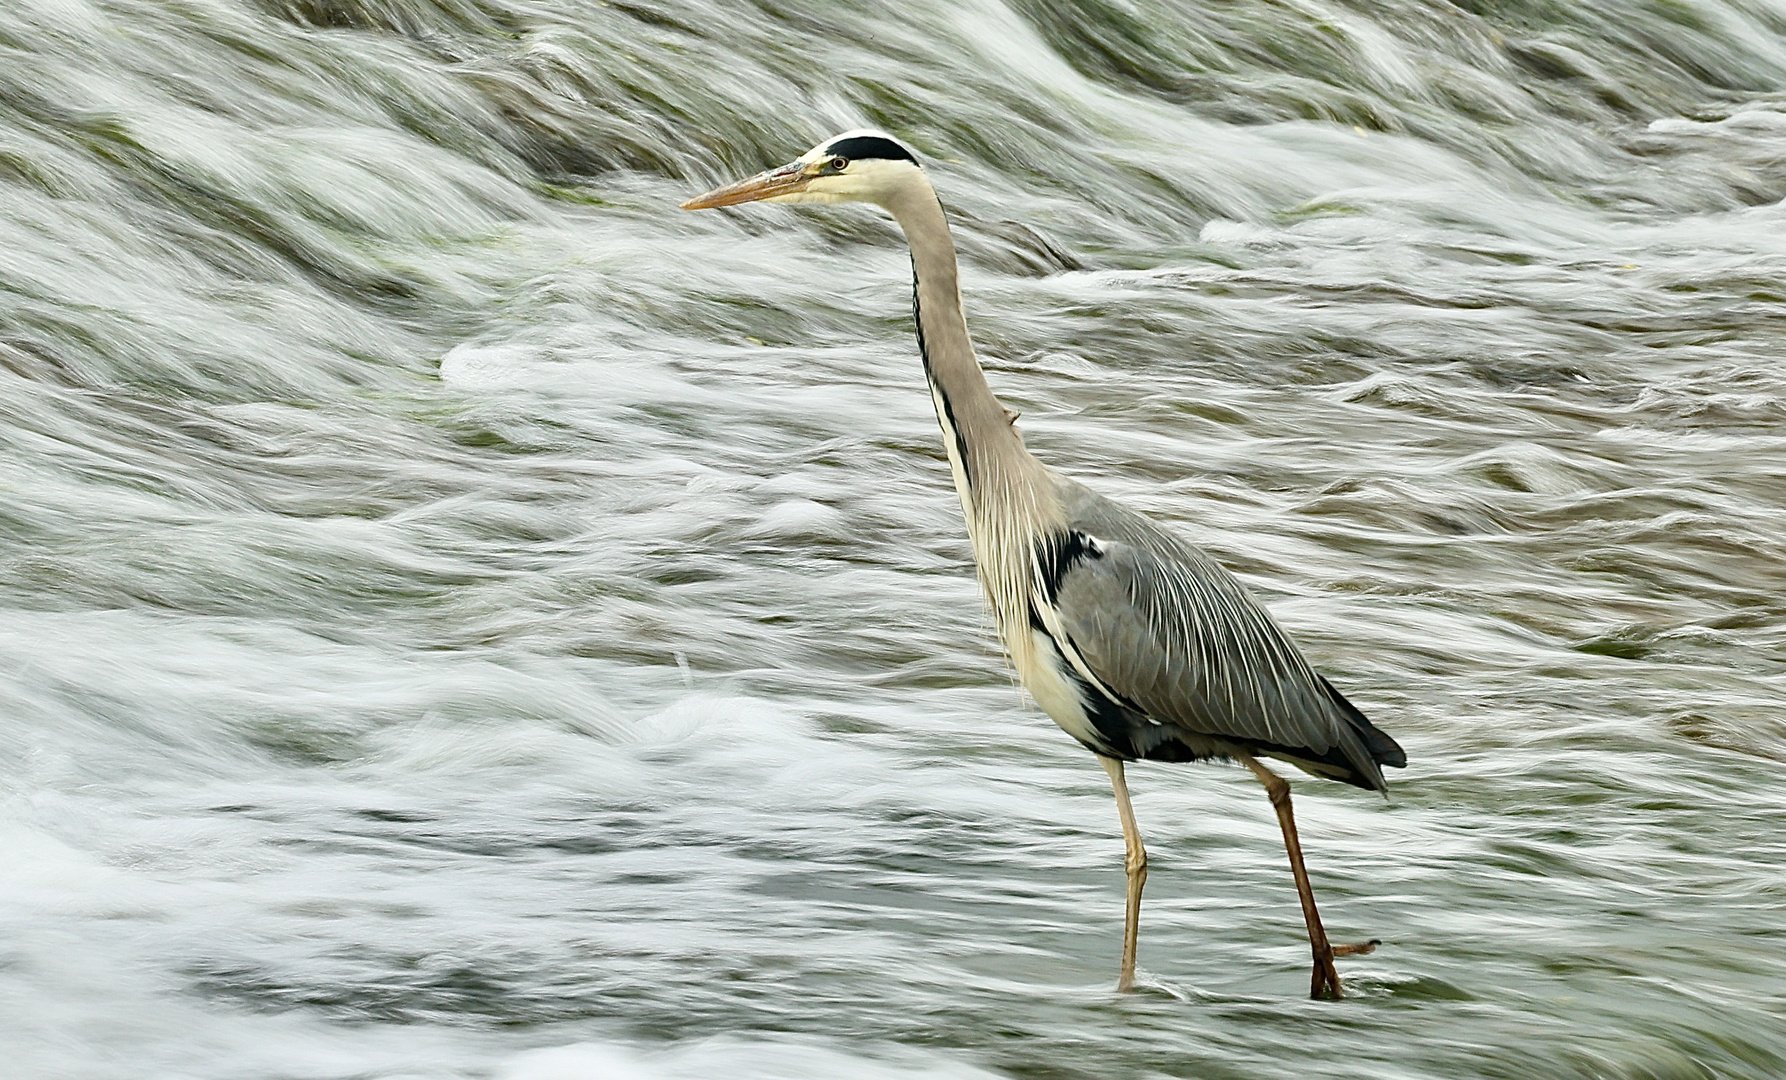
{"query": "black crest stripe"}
{"type": "Point", "coordinates": [869, 147]}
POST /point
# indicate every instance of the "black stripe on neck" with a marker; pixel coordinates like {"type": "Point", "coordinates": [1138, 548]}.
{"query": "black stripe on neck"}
{"type": "Point", "coordinates": [951, 427]}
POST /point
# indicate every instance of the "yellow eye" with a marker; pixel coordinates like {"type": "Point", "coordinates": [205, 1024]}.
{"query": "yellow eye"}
{"type": "Point", "coordinates": [838, 164]}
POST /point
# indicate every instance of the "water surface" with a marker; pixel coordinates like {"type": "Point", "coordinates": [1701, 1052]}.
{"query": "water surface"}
{"type": "Point", "coordinates": [462, 617]}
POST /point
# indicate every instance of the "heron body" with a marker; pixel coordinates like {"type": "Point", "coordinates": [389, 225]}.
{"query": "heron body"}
{"type": "Point", "coordinates": [1136, 643]}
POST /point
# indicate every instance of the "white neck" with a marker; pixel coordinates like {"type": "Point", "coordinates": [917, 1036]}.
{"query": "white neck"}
{"type": "Point", "coordinates": [1006, 494]}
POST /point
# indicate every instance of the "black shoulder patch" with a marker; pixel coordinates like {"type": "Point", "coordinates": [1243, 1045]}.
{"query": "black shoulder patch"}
{"type": "Point", "coordinates": [869, 147]}
{"type": "Point", "coordinates": [1059, 553]}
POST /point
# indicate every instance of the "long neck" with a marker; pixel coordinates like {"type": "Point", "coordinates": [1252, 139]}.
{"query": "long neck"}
{"type": "Point", "coordinates": [975, 426]}
{"type": "Point", "coordinates": [1006, 494]}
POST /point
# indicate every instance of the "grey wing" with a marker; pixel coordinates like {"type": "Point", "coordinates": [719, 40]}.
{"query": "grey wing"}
{"type": "Point", "coordinates": [1166, 632]}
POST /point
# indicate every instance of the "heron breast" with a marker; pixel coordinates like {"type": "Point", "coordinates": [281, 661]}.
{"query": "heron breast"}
{"type": "Point", "coordinates": [1056, 689]}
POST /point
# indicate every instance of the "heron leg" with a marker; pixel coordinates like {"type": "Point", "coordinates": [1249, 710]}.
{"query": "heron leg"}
{"type": "Point", "coordinates": [1324, 983]}
{"type": "Point", "coordinates": [1135, 863]}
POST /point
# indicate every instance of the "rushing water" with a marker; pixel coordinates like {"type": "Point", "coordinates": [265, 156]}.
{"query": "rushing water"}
{"type": "Point", "coordinates": [462, 617]}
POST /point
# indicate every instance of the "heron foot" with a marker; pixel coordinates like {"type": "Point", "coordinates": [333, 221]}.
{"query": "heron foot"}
{"type": "Point", "coordinates": [1324, 984]}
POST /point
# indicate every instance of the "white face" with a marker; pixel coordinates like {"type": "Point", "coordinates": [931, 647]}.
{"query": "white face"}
{"type": "Point", "coordinates": [827, 174]}
{"type": "Point", "coordinates": [836, 178]}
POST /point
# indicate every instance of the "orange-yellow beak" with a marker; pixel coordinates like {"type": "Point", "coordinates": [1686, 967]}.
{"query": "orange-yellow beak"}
{"type": "Point", "coordinates": [765, 185]}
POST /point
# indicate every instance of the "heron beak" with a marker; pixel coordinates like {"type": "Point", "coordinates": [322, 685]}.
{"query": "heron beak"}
{"type": "Point", "coordinates": [785, 180]}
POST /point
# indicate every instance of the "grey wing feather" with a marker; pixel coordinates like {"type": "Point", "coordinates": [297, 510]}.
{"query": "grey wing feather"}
{"type": "Point", "coordinates": [1171, 634]}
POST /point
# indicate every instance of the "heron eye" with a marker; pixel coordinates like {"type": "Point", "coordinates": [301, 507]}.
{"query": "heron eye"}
{"type": "Point", "coordinates": [838, 164]}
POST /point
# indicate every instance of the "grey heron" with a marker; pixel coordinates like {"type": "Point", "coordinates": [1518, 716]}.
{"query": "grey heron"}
{"type": "Point", "coordinates": [1135, 642]}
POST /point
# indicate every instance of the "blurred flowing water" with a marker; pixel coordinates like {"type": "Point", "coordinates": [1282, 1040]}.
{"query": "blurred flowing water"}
{"type": "Point", "coordinates": [462, 617]}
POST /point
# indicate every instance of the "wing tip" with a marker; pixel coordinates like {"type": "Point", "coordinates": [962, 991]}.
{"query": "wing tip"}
{"type": "Point", "coordinates": [1378, 744]}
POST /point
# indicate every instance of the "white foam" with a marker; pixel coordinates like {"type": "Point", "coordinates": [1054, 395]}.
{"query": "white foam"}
{"type": "Point", "coordinates": [735, 1057]}
{"type": "Point", "coordinates": [469, 366]}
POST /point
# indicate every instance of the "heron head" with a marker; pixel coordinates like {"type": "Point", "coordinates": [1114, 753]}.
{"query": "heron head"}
{"type": "Point", "coordinates": [857, 166]}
